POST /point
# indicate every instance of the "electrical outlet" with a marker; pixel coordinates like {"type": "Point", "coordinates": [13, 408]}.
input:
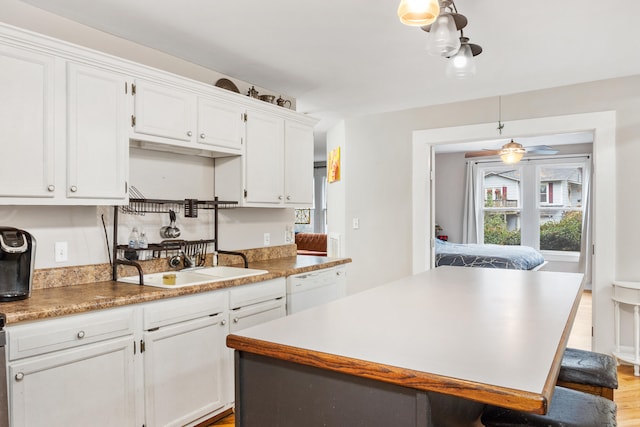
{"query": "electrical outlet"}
{"type": "Point", "coordinates": [267, 239]}
{"type": "Point", "coordinates": [61, 251]}
{"type": "Point", "coordinates": [356, 223]}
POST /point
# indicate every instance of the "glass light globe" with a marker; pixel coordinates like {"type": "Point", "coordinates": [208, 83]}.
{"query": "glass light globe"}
{"type": "Point", "coordinates": [443, 37]}
{"type": "Point", "coordinates": [462, 64]}
{"type": "Point", "coordinates": [417, 13]}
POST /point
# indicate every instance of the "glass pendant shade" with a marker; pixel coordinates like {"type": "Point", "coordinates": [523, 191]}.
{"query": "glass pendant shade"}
{"type": "Point", "coordinates": [511, 158]}
{"type": "Point", "coordinates": [443, 37]}
{"type": "Point", "coordinates": [417, 13]}
{"type": "Point", "coordinates": [462, 64]}
{"type": "Point", "coordinates": [512, 152]}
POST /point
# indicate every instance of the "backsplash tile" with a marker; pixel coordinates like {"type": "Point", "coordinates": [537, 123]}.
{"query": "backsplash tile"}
{"type": "Point", "coordinates": [79, 274]}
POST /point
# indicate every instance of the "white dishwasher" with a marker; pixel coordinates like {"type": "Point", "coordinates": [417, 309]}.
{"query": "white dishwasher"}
{"type": "Point", "coordinates": [306, 290]}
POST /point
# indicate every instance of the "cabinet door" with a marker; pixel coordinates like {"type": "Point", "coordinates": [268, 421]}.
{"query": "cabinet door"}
{"type": "Point", "coordinates": [220, 124]}
{"type": "Point", "coordinates": [98, 144]}
{"type": "Point", "coordinates": [264, 158]}
{"type": "Point", "coordinates": [26, 123]}
{"type": "Point", "coordinates": [163, 111]}
{"type": "Point", "coordinates": [78, 387]}
{"type": "Point", "coordinates": [298, 164]}
{"type": "Point", "coordinates": [184, 371]}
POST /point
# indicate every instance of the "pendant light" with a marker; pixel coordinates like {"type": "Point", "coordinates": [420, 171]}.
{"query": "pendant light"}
{"type": "Point", "coordinates": [440, 18]}
{"type": "Point", "coordinates": [416, 13]}
{"type": "Point", "coordinates": [462, 64]}
{"type": "Point", "coordinates": [512, 152]}
{"type": "Point", "coordinates": [443, 33]}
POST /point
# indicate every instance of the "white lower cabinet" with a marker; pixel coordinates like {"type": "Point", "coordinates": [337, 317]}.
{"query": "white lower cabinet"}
{"type": "Point", "coordinates": [162, 363]}
{"type": "Point", "coordinates": [73, 371]}
{"type": "Point", "coordinates": [185, 359]}
{"type": "Point", "coordinates": [91, 385]}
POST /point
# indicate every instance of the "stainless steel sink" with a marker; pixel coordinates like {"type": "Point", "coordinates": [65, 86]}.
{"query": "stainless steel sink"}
{"type": "Point", "coordinates": [193, 277]}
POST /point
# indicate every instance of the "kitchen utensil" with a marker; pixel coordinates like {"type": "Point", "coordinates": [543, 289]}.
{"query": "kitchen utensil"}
{"type": "Point", "coordinates": [267, 98]}
{"type": "Point", "coordinates": [228, 85]}
{"type": "Point", "coordinates": [252, 92]}
{"type": "Point", "coordinates": [170, 231]}
{"type": "Point", "coordinates": [283, 102]}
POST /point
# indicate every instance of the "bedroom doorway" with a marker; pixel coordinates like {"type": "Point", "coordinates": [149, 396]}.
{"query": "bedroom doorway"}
{"type": "Point", "coordinates": [602, 125]}
{"type": "Point", "coordinates": [538, 202]}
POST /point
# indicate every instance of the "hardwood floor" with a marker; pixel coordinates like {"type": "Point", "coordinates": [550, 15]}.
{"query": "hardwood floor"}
{"type": "Point", "coordinates": [627, 396]}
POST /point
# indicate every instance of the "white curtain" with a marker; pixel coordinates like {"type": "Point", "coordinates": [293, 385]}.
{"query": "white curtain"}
{"type": "Point", "coordinates": [585, 261]}
{"type": "Point", "coordinates": [470, 229]}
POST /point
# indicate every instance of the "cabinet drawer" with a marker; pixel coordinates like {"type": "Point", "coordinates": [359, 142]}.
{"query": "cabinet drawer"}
{"type": "Point", "coordinates": [256, 314]}
{"type": "Point", "coordinates": [251, 294]}
{"type": "Point", "coordinates": [57, 334]}
{"type": "Point", "coordinates": [176, 310]}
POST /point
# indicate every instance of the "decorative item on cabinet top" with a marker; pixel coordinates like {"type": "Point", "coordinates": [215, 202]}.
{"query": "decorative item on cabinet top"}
{"type": "Point", "coordinates": [228, 85]}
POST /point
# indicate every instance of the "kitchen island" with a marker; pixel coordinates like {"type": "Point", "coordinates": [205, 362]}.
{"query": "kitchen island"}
{"type": "Point", "coordinates": [484, 335]}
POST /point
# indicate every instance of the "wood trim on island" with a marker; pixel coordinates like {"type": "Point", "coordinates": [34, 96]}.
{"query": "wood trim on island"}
{"type": "Point", "coordinates": [499, 396]}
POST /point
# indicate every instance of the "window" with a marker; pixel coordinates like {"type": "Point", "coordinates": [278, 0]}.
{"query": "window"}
{"type": "Point", "coordinates": [560, 207]}
{"type": "Point", "coordinates": [501, 210]}
{"type": "Point", "coordinates": [538, 204]}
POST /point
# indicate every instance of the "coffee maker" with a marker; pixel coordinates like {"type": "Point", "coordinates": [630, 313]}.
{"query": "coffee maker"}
{"type": "Point", "coordinates": [17, 256]}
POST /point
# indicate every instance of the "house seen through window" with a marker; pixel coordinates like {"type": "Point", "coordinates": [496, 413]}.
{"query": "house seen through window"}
{"type": "Point", "coordinates": [537, 203]}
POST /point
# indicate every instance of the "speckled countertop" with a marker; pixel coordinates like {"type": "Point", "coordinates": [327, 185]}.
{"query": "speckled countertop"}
{"type": "Point", "coordinates": [60, 301]}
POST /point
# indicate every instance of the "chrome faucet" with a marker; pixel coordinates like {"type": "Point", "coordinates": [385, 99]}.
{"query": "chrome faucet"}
{"type": "Point", "coordinates": [182, 257]}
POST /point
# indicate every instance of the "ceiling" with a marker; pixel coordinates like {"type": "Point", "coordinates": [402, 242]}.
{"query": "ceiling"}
{"type": "Point", "coordinates": [352, 57]}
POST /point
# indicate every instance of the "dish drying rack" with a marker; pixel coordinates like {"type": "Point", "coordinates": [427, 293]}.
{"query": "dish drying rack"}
{"type": "Point", "coordinates": [138, 205]}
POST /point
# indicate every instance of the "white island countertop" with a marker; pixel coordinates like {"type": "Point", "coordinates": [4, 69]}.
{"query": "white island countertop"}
{"type": "Point", "coordinates": [494, 336]}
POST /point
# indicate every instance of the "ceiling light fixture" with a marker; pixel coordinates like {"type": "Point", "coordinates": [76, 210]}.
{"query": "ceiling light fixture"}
{"type": "Point", "coordinates": [417, 13]}
{"type": "Point", "coordinates": [443, 23]}
{"type": "Point", "coordinates": [512, 152]}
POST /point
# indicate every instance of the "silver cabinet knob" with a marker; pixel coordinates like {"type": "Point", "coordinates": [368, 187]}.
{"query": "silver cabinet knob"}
{"type": "Point", "coordinates": [279, 197]}
{"type": "Point", "coordinates": [189, 133]}
{"type": "Point", "coordinates": [73, 189]}
{"type": "Point", "coordinates": [19, 376]}
{"type": "Point", "coordinates": [202, 135]}
{"type": "Point", "coordinates": [236, 320]}
{"type": "Point", "coordinates": [223, 322]}
{"type": "Point", "coordinates": [80, 335]}
{"type": "Point", "coordinates": [51, 188]}
{"type": "Point", "coordinates": [288, 197]}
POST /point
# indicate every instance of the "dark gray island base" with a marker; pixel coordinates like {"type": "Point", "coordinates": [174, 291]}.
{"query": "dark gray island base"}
{"type": "Point", "coordinates": [285, 394]}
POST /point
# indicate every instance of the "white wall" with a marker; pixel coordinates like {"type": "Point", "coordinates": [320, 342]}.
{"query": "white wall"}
{"type": "Point", "coordinates": [386, 139]}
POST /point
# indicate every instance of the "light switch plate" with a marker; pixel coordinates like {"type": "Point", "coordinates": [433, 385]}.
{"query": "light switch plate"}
{"type": "Point", "coordinates": [267, 239]}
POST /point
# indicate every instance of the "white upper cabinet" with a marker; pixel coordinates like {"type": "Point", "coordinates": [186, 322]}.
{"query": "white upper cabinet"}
{"type": "Point", "coordinates": [176, 117]}
{"type": "Point", "coordinates": [220, 124]}
{"type": "Point", "coordinates": [98, 146]}
{"type": "Point", "coordinates": [27, 81]}
{"type": "Point", "coordinates": [162, 113]}
{"type": "Point", "coordinates": [277, 168]}
{"type": "Point", "coordinates": [264, 158]}
{"type": "Point", "coordinates": [298, 164]}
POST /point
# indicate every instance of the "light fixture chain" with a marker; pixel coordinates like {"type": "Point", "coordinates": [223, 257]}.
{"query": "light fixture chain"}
{"type": "Point", "coordinates": [500, 124]}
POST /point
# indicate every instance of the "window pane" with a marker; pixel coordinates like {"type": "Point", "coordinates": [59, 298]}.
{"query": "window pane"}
{"type": "Point", "coordinates": [561, 208]}
{"type": "Point", "coordinates": [501, 188]}
{"type": "Point", "coordinates": [502, 228]}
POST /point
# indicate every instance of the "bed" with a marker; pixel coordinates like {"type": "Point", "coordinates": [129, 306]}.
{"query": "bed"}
{"type": "Point", "coordinates": [488, 256]}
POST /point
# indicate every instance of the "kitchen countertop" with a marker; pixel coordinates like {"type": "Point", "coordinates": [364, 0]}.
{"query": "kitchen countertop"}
{"type": "Point", "coordinates": [490, 335]}
{"type": "Point", "coordinates": [60, 301]}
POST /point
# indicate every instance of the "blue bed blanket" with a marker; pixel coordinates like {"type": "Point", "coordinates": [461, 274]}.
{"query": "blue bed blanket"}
{"type": "Point", "coordinates": [488, 256]}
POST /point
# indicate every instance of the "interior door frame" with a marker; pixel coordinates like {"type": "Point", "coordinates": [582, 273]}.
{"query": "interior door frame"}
{"type": "Point", "coordinates": [603, 126]}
